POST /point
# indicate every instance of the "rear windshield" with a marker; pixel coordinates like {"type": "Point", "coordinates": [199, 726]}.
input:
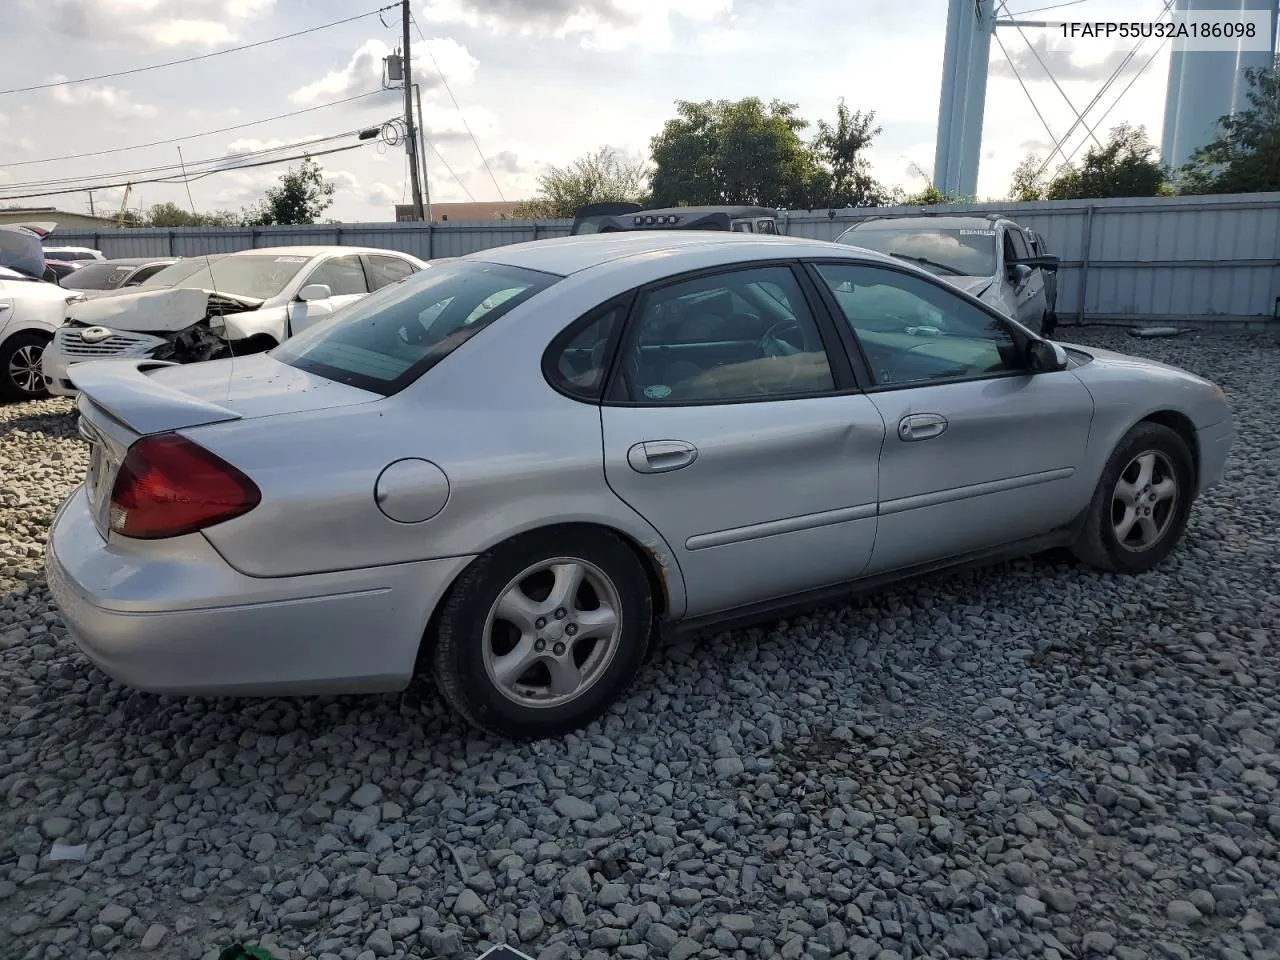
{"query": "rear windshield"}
{"type": "Point", "coordinates": [390, 338]}
{"type": "Point", "coordinates": [99, 276]}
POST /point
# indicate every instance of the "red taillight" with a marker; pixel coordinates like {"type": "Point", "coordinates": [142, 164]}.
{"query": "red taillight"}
{"type": "Point", "coordinates": [168, 486]}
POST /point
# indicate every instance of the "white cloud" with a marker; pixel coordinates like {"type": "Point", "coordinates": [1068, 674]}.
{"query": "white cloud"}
{"type": "Point", "coordinates": [382, 194]}
{"type": "Point", "coordinates": [364, 72]}
{"type": "Point", "coordinates": [597, 24]}
{"type": "Point", "coordinates": [108, 99]}
{"type": "Point", "coordinates": [159, 23]}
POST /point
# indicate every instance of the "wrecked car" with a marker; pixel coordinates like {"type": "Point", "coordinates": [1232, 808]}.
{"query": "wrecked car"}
{"type": "Point", "coordinates": [230, 305]}
{"type": "Point", "coordinates": [985, 255]}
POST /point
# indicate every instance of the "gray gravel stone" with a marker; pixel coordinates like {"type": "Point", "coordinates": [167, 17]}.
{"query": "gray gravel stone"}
{"type": "Point", "coordinates": [1030, 760]}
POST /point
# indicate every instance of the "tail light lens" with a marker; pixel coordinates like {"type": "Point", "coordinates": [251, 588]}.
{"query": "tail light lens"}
{"type": "Point", "coordinates": [168, 486]}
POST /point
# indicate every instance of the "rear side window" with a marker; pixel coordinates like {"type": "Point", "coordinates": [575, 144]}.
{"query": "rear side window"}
{"type": "Point", "coordinates": [343, 276]}
{"type": "Point", "coordinates": [389, 339]}
{"type": "Point", "coordinates": [384, 271]}
{"type": "Point", "coordinates": [146, 273]}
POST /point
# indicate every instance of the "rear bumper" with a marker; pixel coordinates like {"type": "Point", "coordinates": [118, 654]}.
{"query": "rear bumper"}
{"type": "Point", "coordinates": [1215, 446]}
{"type": "Point", "coordinates": [173, 617]}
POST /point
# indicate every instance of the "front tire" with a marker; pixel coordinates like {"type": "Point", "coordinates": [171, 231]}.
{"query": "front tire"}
{"type": "Point", "coordinates": [21, 377]}
{"type": "Point", "coordinates": [1140, 508]}
{"type": "Point", "coordinates": [542, 634]}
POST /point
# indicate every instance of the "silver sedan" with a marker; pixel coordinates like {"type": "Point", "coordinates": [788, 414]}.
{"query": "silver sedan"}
{"type": "Point", "coordinates": [515, 470]}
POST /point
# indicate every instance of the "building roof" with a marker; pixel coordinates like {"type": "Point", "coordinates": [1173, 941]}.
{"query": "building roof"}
{"type": "Point", "coordinates": [19, 214]}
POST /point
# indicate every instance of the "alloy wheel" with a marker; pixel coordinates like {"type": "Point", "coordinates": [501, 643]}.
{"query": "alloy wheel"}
{"type": "Point", "coordinates": [1145, 501]}
{"type": "Point", "coordinates": [552, 632]}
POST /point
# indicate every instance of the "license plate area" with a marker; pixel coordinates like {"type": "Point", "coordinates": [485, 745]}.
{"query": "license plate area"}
{"type": "Point", "coordinates": [104, 463]}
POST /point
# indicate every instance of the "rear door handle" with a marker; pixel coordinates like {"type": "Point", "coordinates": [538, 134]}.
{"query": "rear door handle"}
{"type": "Point", "coordinates": [661, 456]}
{"type": "Point", "coordinates": [921, 426]}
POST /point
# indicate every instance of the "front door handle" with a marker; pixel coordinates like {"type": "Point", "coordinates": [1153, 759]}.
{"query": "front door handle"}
{"type": "Point", "coordinates": [921, 426]}
{"type": "Point", "coordinates": [661, 456]}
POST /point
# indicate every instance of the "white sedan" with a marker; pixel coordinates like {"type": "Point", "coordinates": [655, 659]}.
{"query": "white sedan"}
{"type": "Point", "coordinates": [236, 304]}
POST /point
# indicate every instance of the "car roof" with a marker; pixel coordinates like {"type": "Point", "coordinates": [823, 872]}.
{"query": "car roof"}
{"type": "Point", "coordinates": [139, 261]}
{"type": "Point", "coordinates": [566, 255]}
{"type": "Point", "coordinates": [315, 251]}
{"type": "Point", "coordinates": [954, 221]}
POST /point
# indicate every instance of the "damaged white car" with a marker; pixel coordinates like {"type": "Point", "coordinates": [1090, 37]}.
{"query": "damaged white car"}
{"type": "Point", "coordinates": [240, 303]}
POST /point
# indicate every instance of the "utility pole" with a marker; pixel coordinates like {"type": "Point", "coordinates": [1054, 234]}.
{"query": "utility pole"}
{"type": "Point", "coordinates": [91, 212]}
{"type": "Point", "coordinates": [422, 151]}
{"type": "Point", "coordinates": [411, 136]}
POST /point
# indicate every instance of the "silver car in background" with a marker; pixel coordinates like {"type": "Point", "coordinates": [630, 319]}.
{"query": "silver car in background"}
{"type": "Point", "coordinates": [989, 257]}
{"type": "Point", "coordinates": [510, 470]}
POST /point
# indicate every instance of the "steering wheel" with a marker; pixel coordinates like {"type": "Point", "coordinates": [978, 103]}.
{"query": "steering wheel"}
{"type": "Point", "coordinates": [776, 371]}
{"type": "Point", "coordinates": [771, 344]}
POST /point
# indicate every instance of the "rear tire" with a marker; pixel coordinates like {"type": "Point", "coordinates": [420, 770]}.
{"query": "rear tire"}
{"type": "Point", "coordinates": [542, 634]}
{"type": "Point", "coordinates": [1140, 508]}
{"type": "Point", "coordinates": [21, 377]}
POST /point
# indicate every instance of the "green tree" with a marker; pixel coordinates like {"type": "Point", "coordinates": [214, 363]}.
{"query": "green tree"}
{"type": "Point", "coordinates": [603, 176]}
{"type": "Point", "coordinates": [1126, 166]}
{"type": "Point", "coordinates": [736, 152]}
{"type": "Point", "coordinates": [840, 152]}
{"type": "Point", "coordinates": [1028, 180]}
{"type": "Point", "coordinates": [1245, 157]}
{"type": "Point", "coordinates": [303, 195]}
{"type": "Point", "coordinates": [169, 214]}
{"type": "Point", "coordinates": [928, 197]}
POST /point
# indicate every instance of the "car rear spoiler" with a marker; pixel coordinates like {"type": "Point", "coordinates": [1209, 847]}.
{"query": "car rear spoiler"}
{"type": "Point", "coordinates": [123, 390]}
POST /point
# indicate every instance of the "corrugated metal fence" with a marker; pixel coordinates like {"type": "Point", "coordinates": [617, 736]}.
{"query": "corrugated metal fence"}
{"type": "Point", "coordinates": [1182, 259]}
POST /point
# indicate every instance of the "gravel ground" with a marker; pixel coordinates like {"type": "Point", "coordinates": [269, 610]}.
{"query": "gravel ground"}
{"type": "Point", "coordinates": [1034, 760]}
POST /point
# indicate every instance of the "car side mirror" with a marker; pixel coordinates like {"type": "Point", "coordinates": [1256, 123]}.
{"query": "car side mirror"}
{"type": "Point", "coordinates": [1019, 274]}
{"type": "Point", "coordinates": [315, 291]}
{"type": "Point", "coordinates": [1045, 356]}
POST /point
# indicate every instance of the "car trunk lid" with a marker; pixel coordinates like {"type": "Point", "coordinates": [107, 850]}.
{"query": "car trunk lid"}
{"type": "Point", "coordinates": [123, 400]}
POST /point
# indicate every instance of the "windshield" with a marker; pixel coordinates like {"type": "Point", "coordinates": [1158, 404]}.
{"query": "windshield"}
{"type": "Point", "coordinates": [947, 251]}
{"type": "Point", "coordinates": [99, 276]}
{"type": "Point", "coordinates": [163, 279]}
{"type": "Point", "coordinates": [389, 339]}
{"type": "Point", "coordinates": [260, 276]}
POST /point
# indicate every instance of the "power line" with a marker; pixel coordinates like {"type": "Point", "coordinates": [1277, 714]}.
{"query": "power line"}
{"type": "Point", "coordinates": [450, 169]}
{"type": "Point", "coordinates": [1017, 76]}
{"type": "Point", "coordinates": [203, 56]}
{"type": "Point", "coordinates": [28, 184]}
{"type": "Point", "coordinates": [194, 136]}
{"type": "Point", "coordinates": [1054, 80]}
{"type": "Point", "coordinates": [1132, 81]}
{"type": "Point", "coordinates": [200, 176]}
{"type": "Point", "coordinates": [462, 116]}
{"type": "Point", "coordinates": [1060, 145]}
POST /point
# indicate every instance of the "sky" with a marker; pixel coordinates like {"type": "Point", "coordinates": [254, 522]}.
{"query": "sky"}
{"type": "Point", "coordinates": [527, 84]}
